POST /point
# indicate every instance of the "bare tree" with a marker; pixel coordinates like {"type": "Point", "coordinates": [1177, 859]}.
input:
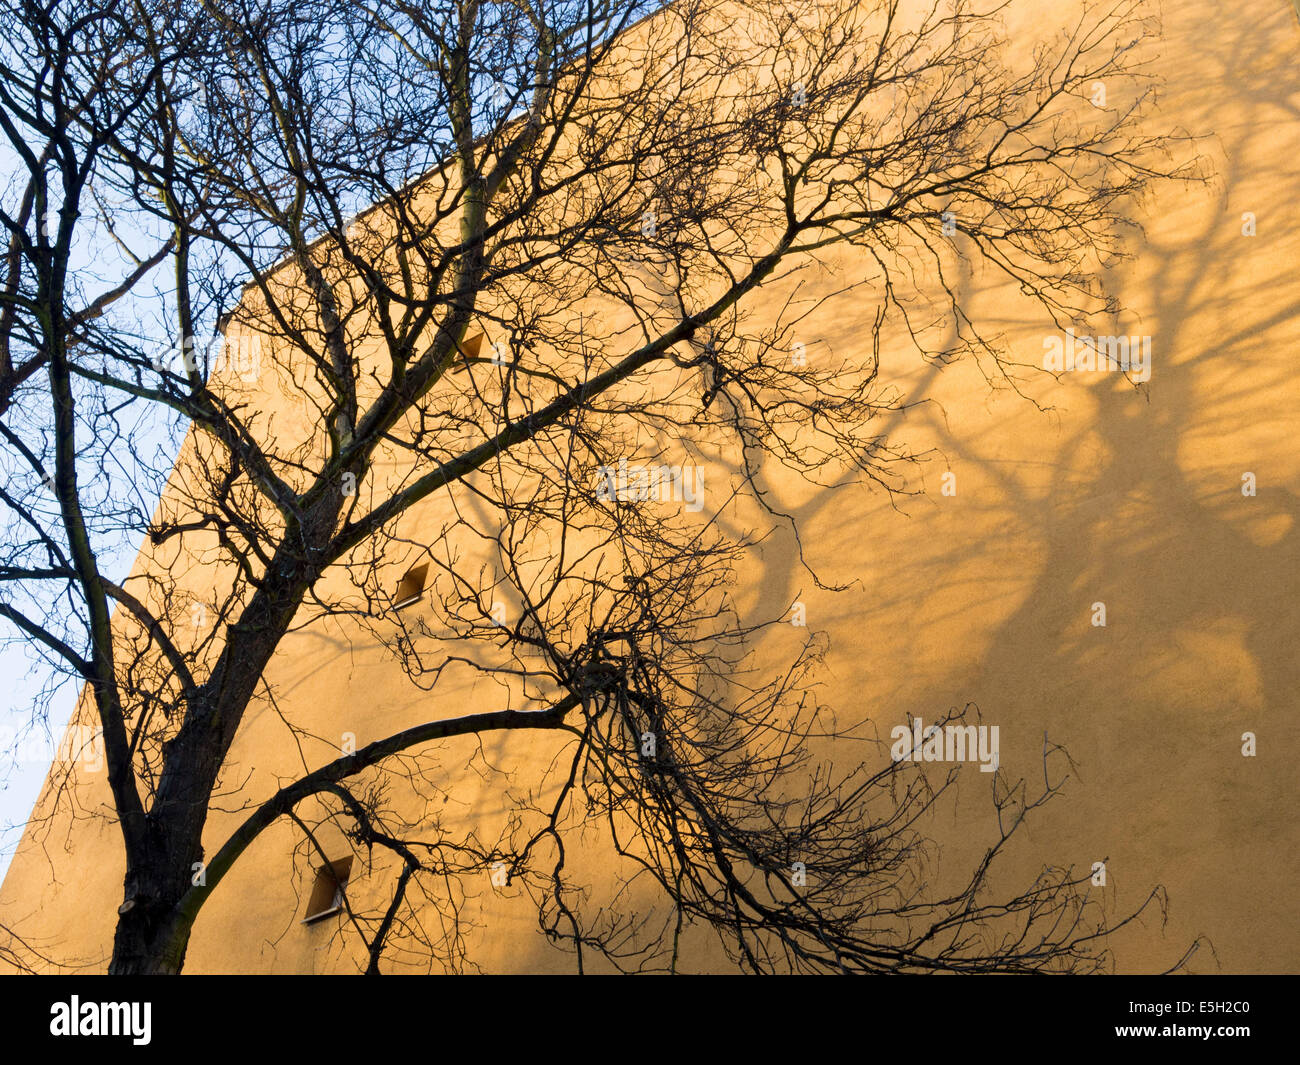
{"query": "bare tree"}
{"type": "Point", "coordinates": [485, 251]}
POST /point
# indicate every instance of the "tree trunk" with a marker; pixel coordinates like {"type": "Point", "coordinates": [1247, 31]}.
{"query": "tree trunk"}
{"type": "Point", "coordinates": [150, 941]}
{"type": "Point", "coordinates": [152, 934]}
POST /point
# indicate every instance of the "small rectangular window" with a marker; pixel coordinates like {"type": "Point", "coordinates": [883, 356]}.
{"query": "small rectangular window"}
{"type": "Point", "coordinates": [410, 589]}
{"type": "Point", "coordinates": [327, 891]}
{"type": "Point", "coordinates": [469, 351]}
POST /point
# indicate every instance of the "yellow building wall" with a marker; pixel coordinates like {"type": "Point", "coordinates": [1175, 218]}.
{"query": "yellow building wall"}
{"type": "Point", "coordinates": [1115, 494]}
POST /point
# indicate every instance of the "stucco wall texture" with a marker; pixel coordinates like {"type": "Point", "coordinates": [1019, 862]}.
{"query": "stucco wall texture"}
{"type": "Point", "coordinates": [1090, 490]}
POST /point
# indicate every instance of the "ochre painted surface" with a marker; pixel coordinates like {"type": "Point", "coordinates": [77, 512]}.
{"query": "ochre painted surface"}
{"type": "Point", "coordinates": [1131, 497]}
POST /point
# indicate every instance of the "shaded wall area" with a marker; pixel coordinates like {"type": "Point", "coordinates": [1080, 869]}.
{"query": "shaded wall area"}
{"type": "Point", "coordinates": [1088, 489]}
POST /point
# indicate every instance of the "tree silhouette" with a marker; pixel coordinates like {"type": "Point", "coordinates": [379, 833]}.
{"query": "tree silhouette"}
{"type": "Point", "coordinates": [416, 278]}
